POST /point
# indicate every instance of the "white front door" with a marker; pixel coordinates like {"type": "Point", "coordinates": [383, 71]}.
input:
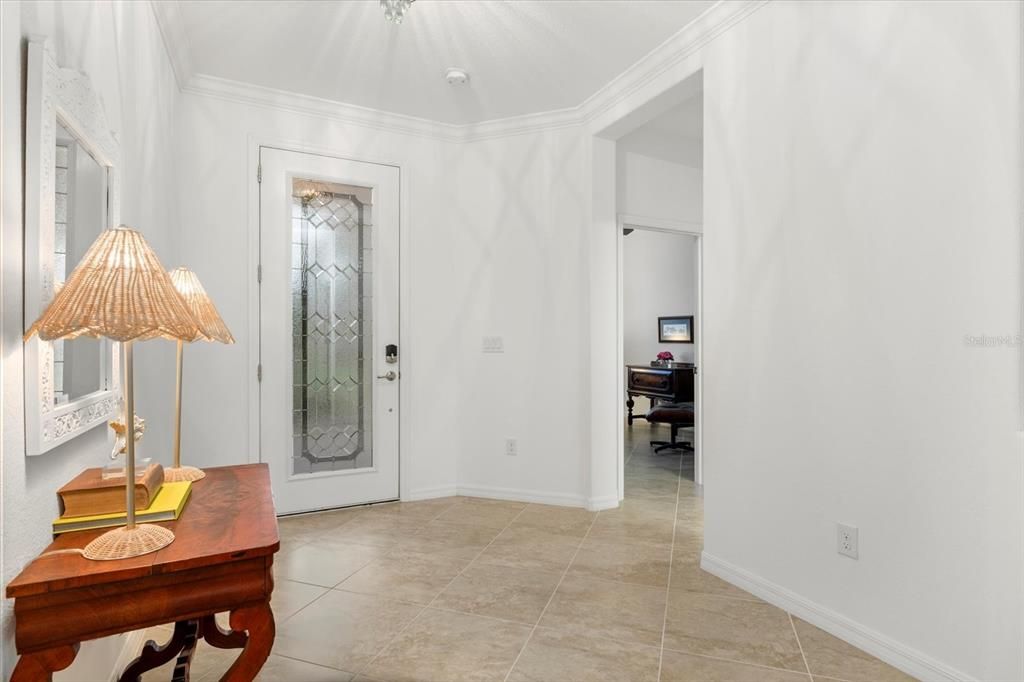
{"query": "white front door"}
{"type": "Point", "coordinates": [328, 312]}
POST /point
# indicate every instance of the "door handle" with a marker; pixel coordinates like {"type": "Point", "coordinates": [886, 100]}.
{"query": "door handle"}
{"type": "Point", "coordinates": [390, 375]}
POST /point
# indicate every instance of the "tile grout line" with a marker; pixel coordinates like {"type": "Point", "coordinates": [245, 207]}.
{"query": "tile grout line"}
{"type": "Point", "coordinates": [565, 572]}
{"type": "Point", "coordinates": [293, 658]}
{"type": "Point", "coordinates": [327, 590]}
{"type": "Point", "coordinates": [335, 587]}
{"type": "Point", "coordinates": [748, 664]}
{"type": "Point", "coordinates": [423, 610]}
{"type": "Point", "coordinates": [447, 609]}
{"type": "Point", "coordinates": [799, 645]}
{"type": "Point", "coordinates": [632, 451]}
{"type": "Point", "coordinates": [431, 605]}
{"type": "Point", "coordinates": [715, 595]}
{"type": "Point", "coordinates": [605, 638]}
{"type": "Point", "coordinates": [536, 626]}
{"type": "Point", "coordinates": [523, 624]}
{"type": "Point", "coordinates": [477, 555]}
{"type": "Point", "coordinates": [671, 553]}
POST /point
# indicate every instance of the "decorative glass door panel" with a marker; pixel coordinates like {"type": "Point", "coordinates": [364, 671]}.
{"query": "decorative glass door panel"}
{"type": "Point", "coordinates": [328, 310]}
{"type": "Point", "coordinates": [331, 326]}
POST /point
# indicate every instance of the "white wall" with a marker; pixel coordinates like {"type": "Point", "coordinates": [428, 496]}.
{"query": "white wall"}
{"type": "Point", "coordinates": [659, 279]}
{"type": "Point", "coordinates": [659, 270]}
{"type": "Point", "coordinates": [655, 142]}
{"type": "Point", "coordinates": [862, 216]}
{"type": "Point", "coordinates": [520, 255]}
{"type": "Point", "coordinates": [655, 188]}
{"type": "Point", "coordinates": [489, 227]}
{"type": "Point", "coordinates": [216, 139]}
{"type": "Point", "coordinates": [861, 163]}
{"type": "Point", "coordinates": [119, 45]}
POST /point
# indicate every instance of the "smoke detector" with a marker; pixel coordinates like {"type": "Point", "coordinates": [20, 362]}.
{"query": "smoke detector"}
{"type": "Point", "coordinates": [456, 76]}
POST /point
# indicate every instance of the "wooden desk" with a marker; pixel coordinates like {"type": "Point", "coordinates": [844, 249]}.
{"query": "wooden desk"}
{"type": "Point", "coordinates": [672, 384]}
{"type": "Point", "coordinates": [221, 560]}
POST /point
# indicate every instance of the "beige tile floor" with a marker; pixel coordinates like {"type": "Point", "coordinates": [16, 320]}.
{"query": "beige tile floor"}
{"type": "Point", "coordinates": [472, 589]}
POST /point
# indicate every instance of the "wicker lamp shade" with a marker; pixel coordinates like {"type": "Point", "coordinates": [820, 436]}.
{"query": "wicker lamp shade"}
{"type": "Point", "coordinates": [119, 291]}
{"type": "Point", "coordinates": [211, 326]}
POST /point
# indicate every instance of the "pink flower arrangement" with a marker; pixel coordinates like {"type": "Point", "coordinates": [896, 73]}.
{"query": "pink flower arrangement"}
{"type": "Point", "coordinates": [665, 355]}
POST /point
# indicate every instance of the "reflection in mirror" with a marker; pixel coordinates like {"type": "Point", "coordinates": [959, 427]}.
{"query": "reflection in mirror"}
{"type": "Point", "coordinates": [80, 215]}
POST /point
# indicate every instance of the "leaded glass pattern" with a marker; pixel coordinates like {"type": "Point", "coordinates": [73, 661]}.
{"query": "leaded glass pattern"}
{"type": "Point", "coordinates": [331, 328]}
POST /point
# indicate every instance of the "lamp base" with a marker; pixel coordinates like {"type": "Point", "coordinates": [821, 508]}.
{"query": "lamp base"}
{"type": "Point", "coordinates": [122, 543]}
{"type": "Point", "coordinates": [173, 474]}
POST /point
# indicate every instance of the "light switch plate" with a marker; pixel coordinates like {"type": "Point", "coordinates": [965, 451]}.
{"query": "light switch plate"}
{"type": "Point", "coordinates": [493, 344]}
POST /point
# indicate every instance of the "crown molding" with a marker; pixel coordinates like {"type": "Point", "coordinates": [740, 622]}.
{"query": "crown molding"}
{"type": "Point", "coordinates": [717, 19]}
{"type": "Point", "coordinates": [257, 95]}
{"type": "Point", "coordinates": [710, 24]}
{"type": "Point", "coordinates": [282, 100]}
{"type": "Point", "coordinates": [171, 23]}
{"type": "Point", "coordinates": [520, 125]}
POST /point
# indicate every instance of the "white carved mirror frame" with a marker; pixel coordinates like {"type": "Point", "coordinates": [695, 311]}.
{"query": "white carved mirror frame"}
{"type": "Point", "coordinates": [66, 97]}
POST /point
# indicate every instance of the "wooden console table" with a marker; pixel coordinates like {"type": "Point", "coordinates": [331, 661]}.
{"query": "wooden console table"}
{"type": "Point", "coordinates": [221, 560]}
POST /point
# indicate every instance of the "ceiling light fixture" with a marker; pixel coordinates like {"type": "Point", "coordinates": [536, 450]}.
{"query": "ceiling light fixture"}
{"type": "Point", "coordinates": [394, 10]}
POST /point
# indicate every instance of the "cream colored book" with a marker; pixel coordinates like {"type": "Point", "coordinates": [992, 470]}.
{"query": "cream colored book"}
{"type": "Point", "coordinates": [89, 494]}
{"type": "Point", "coordinates": [167, 506]}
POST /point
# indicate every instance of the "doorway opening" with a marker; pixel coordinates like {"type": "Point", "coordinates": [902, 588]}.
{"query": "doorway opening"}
{"type": "Point", "coordinates": [658, 193]}
{"type": "Point", "coordinates": [660, 323]}
{"type": "Point", "coordinates": [647, 298]}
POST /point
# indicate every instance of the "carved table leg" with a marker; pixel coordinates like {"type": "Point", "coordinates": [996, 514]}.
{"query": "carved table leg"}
{"type": "Point", "coordinates": [40, 665]}
{"type": "Point", "coordinates": [629, 407]}
{"type": "Point", "coordinates": [183, 666]}
{"type": "Point", "coordinates": [154, 656]}
{"type": "Point", "coordinates": [258, 622]}
{"type": "Point", "coordinates": [222, 639]}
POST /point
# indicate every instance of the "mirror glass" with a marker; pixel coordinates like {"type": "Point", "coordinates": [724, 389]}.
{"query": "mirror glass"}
{"type": "Point", "coordinates": [80, 214]}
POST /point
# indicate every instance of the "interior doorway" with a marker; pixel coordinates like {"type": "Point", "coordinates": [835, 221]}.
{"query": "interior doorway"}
{"type": "Point", "coordinates": [658, 160]}
{"type": "Point", "coordinates": [661, 321]}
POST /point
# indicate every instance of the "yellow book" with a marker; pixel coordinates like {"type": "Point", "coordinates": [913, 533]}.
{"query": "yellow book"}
{"type": "Point", "coordinates": [166, 506]}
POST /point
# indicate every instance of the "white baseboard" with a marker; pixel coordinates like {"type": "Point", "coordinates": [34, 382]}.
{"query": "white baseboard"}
{"type": "Point", "coordinates": [600, 503]}
{"type": "Point", "coordinates": [515, 495]}
{"type": "Point", "coordinates": [131, 648]}
{"type": "Point", "coordinates": [519, 495]}
{"type": "Point", "coordinates": [430, 493]}
{"type": "Point", "coordinates": [896, 654]}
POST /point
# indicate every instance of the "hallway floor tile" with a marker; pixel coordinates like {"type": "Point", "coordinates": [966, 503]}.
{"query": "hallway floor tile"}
{"type": "Point", "coordinates": [467, 589]}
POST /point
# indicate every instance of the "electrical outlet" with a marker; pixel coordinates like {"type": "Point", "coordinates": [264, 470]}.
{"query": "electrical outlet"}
{"type": "Point", "coordinates": [846, 538]}
{"type": "Point", "coordinates": [493, 344]}
{"type": "Point", "coordinates": [511, 447]}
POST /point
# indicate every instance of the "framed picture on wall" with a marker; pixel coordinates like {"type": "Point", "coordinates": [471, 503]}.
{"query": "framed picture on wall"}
{"type": "Point", "coordinates": [678, 329]}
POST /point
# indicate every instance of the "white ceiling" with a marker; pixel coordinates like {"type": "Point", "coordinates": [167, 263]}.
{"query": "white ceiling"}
{"type": "Point", "coordinates": [523, 56]}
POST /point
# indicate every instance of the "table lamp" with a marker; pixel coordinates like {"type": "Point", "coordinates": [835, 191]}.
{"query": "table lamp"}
{"type": "Point", "coordinates": [120, 291]}
{"type": "Point", "coordinates": [211, 328]}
